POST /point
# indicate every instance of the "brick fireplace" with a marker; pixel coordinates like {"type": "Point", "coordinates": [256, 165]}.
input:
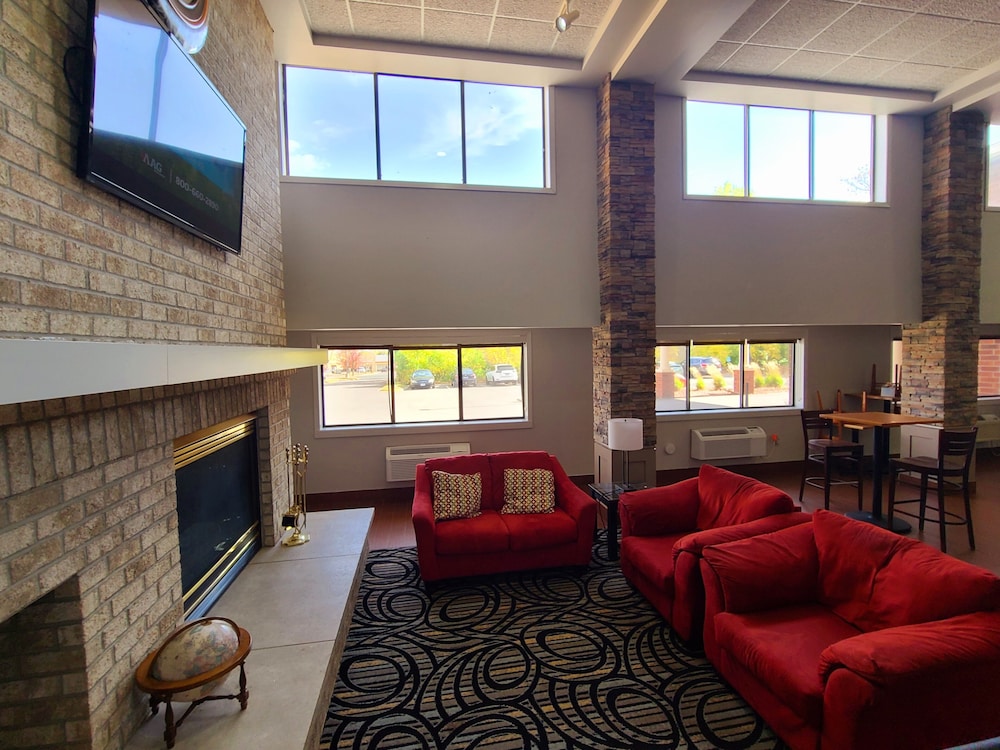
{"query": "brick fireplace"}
{"type": "Point", "coordinates": [89, 558]}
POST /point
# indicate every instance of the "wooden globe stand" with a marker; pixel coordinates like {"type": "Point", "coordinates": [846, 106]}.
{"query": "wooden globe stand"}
{"type": "Point", "coordinates": [162, 691]}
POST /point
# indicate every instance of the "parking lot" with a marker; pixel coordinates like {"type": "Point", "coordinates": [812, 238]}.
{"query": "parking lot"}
{"type": "Point", "coordinates": [364, 399]}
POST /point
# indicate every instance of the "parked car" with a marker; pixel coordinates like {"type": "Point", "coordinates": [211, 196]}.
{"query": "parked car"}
{"type": "Point", "coordinates": [422, 379]}
{"type": "Point", "coordinates": [702, 363]}
{"type": "Point", "coordinates": [468, 378]}
{"type": "Point", "coordinates": [502, 375]}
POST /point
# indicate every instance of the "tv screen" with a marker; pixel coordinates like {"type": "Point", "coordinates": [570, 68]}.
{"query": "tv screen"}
{"type": "Point", "coordinates": [160, 135]}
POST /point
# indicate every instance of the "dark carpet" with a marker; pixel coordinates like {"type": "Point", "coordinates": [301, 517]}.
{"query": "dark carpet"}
{"type": "Point", "coordinates": [564, 658]}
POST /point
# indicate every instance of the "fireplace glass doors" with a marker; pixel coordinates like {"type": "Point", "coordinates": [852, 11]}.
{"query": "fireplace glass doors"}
{"type": "Point", "coordinates": [218, 509]}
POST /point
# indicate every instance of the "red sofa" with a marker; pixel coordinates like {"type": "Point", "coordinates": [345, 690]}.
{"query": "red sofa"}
{"type": "Point", "coordinates": [843, 635]}
{"type": "Point", "coordinates": [495, 542]}
{"type": "Point", "coordinates": [664, 530]}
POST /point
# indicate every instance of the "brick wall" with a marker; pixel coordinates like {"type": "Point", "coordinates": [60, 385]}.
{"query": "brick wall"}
{"type": "Point", "coordinates": [989, 367]}
{"type": "Point", "coordinates": [940, 354]}
{"type": "Point", "coordinates": [76, 262]}
{"type": "Point", "coordinates": [624, 342]}
{"type": "Point", "coordinates": [86, 483]}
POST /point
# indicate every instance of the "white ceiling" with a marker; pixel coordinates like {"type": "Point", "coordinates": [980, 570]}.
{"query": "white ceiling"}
{"type": "Point", "coordinates": [878, 56]}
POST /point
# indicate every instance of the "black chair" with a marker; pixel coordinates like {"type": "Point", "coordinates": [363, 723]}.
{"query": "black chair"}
{"type": "Point", "coordinates": [821, 447]}
{"type": "Point", "coordinates": [955, 451]}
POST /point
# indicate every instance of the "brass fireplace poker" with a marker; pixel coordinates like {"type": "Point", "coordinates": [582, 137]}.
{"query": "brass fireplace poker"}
{"type": "Point", "coordinates": [296, 458]}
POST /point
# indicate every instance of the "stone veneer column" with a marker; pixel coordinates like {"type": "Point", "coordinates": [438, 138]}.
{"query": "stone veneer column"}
{"type": "Point", "coordinates": [940, 354]}
{"type": "Point", "coordinates": [625, 340]}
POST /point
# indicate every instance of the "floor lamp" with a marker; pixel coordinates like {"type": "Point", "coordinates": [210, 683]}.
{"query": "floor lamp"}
{"type": "Point", "coordinates": [624, 434]}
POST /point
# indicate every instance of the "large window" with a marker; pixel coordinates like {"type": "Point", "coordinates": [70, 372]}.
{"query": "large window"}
{"type": "Point", "coordinates": [746, 151]}
{"type": "Point", "coordinates": [696, 376]}
{"type": "Point", "coordinates": [368, 386]}
{"type": "Point", "coordinates": [372, 126]}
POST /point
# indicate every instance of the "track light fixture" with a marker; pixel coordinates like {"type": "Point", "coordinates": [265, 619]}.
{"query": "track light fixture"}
{"type": "Point", "coordinates": [566, 17]}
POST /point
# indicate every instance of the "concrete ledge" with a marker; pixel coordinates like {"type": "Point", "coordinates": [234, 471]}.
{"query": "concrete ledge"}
{"type": "Point", "coordinates": [297, 603]}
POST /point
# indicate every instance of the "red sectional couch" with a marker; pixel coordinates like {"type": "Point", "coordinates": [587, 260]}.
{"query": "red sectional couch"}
{"type": "Point", "coordinates": [665, 529]}
{"type": "Point", "coordinates": [843, 635]}
{"type": "Point", "coordinates": [494, 542]}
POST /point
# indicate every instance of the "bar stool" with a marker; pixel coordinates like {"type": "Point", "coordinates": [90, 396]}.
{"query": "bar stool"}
{"type": "Point", "coordinates": [954, 458]}
{"type": "Point", "coordinates": [821, 447]}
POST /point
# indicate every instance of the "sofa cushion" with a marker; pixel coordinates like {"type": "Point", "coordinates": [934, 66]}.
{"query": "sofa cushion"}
{"type": "Point", "coordinates": [651, 555]}
{"type": "Point", "coordinates": [515, 460]}
{"type": "Point", "coordinates": [947, 587]}
{"type": "Point", "coordinates": [728, 498]}
{"type": "Point", "coordinates": [483, 534]}
{"type": "Point", "coordinates": [476, 463]}
{"type": "Point", "coordinates": [540, 530]}
{"type": "Point", "coordinates": [456, 495]}
{"type": "Point", "coordinates": [528, 491]}
{"type": "Point", "coordinates": [782, 649]}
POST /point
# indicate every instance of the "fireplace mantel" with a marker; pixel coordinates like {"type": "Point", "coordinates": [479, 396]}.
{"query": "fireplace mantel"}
{"type": "Point", "coordinates": [39, 369]}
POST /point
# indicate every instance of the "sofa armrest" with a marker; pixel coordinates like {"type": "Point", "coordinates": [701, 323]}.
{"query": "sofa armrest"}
{"type": "Point", "coordinates": [696, 542]}
{"type": "Point", "coordinates": [921, 651]}
{"type": "Point", "coordinates": [660, 510]}
{"type": "Point", "coordinates": [580, 506]}
{"type": "Point", "coordinates": [422, 512]}
{"type": "Point", "coordinates": [772, 570]}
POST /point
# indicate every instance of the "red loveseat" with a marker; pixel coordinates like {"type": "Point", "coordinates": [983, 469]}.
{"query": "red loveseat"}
{"type": "Point", "coordinates": [664, 530]}
{"type": "Point", "coordinates": [495, 542]}
{"type": "Point", "coordinates": [842, 635]}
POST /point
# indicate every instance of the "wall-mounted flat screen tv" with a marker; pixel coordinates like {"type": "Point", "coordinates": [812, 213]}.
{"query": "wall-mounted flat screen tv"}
{"type": "Point", "coordinates": [159, 133]}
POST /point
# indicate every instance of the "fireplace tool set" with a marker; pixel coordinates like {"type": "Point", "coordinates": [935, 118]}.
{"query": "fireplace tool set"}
{"type": "Point", "coordinates": [296, 458]}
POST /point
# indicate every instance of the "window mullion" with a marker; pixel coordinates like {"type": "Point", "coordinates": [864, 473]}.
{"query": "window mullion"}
{"type": "Point", "coordinates": [746, 151]}
{"type": "Point", "coordinates": [812, 155]}
{"type": "Point", "coordinates": [461, 103]}
{"type": "Point", "coordinates": [378, 139]}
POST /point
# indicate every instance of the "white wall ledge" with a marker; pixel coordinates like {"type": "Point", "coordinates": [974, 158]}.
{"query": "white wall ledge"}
{"type": "Point", "coordinates": [39, 369]}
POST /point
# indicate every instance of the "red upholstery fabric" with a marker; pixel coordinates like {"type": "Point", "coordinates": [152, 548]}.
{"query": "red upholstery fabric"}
{"type": "Point", "coordinates": [476, 463]}
{"type": "Point", "coordinates": [463, 536]}
{"type": "Point", "coordinates": [781, 648]}
{"type": "Point", "coordinates": [499, 543]}
{"type": "Point", "coordinates": [921, 684]}
{"type": "Point", "coordinates": [662, 536]}
{"type": "Point", "coordinates": [538, 530]}
{"type": "Point", "coordinates": [727, 498]}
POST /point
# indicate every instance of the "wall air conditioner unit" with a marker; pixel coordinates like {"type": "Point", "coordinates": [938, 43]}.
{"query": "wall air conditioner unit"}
{"type": "Point", "coordinates": [728, 442]}
{"type": "Point", "coordinates": [401, 460]}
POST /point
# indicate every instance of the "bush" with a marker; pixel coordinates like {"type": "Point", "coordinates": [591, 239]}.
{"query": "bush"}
{"type": "Point", "coordinates": [718, 381]}
{"type": "Point", "coordinates": [774, 380]}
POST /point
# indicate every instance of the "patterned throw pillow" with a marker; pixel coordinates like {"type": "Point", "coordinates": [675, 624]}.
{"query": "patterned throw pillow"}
{"type": "Point", "coordinates": [456, 495]}
{"type": "Point", "coordinates": [528, 491]}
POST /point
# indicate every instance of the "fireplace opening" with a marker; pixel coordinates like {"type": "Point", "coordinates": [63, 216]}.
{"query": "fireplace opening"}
{"type": "Point", "coordinates": [43, 680]}
{"type": "Point", "coordinates": [218, 509]}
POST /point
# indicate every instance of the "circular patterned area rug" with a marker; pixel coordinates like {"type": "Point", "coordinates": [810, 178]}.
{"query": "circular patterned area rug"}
{"type": "Point", "coordinates": [563, 658]}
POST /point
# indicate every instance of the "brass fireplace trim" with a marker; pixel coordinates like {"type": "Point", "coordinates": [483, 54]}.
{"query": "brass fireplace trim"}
{"type": "Point", "coordinates": [189, 448]}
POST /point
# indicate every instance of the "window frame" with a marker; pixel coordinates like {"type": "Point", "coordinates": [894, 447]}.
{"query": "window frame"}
{"type": "Point", "coordinates": [546, 156]}
{"type": "Point", "coordinates": [424, 340]}
{"type": "Point", "coordinates": [877, 158]}
{"type": "Point", "coordinates": [795, 386]}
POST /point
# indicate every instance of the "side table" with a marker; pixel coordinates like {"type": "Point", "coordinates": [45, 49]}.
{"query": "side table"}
{"type": "Point", "coordinates": [607, 495]}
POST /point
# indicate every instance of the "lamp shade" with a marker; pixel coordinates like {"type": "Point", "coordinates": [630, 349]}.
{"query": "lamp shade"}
{"type": "Point", "coordinates": [625, 434]}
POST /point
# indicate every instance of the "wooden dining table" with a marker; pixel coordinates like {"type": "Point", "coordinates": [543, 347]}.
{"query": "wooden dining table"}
{"type": "Point", "coordinates": [882, 423]}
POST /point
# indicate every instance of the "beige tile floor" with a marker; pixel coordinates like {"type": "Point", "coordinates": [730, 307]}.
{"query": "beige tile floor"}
{"type": "Point", "coordinates": [297, 604]}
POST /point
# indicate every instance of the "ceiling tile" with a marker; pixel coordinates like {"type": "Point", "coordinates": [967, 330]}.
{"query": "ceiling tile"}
{"type": "Point", "coordinates": [955, 48]}
{"type": "Point", "coordinates": [716, 57]}
{"type": "Point", "coordinates": [328, 17]}
{"type": "Point", "coordinates": [753, 60]}
{"type": "Point", "coordinates": [533, 10]}
{"type": "Point", "coordinates": [915, 76]}
{"type": "Point", "coordinates": [752, 20]}
{"type": "Point", "coordinates": [798, 22]}
{"type": "Point", "coordinates": [911, 36]}
{"type": "Point", "coordinates": [481, 7]}
{"type": "Point", "coordinates": [384, 22]}
{"type": "Point", "coordinates": [808, 65]}
{"type": "Point", "coordinates": [910, 5]}
{"type": "Point", "coordinates": [988, 56]}
{"type": "Point", "coordinates": [531, 37]}
{"type": "Point", "coordinates": [858, 70]}
{"type": "Point", "coordinates": [973, 10]}
{"type": "Point", "coordinates": [859, 27]}
{"type": "Point", "coordinates": [457, 29]}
